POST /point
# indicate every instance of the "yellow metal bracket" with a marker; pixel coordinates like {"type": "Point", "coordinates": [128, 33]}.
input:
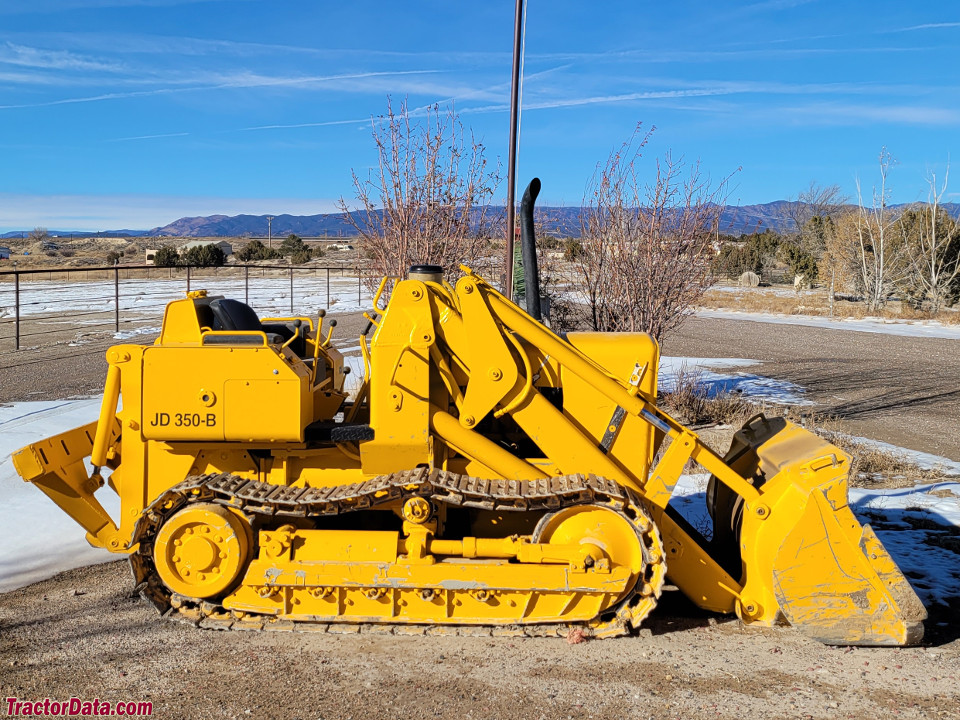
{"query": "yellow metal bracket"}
{"type": "Point", "coordinates": [493, 369]}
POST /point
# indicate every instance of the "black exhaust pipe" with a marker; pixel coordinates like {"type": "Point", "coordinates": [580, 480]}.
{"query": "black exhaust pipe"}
{"type": "Point", "coordinates": [528, 245]}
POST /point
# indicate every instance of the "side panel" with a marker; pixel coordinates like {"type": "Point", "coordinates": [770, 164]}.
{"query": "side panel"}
{"type": "Point", "coordinates": [223, 393]}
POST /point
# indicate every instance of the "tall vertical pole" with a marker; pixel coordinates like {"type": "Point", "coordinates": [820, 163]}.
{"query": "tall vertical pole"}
{"type": "Point", "coordinates": [188, 278]}
{"type": "Point", "coordinates": [269, 231]}
{"type": "Point", "coordinates": [16, 306]}
{"type": "Point", "coordinates": [116, 296]}
{"type": "Point", "coordinates": [328, 289]}
{"type": "Point", "coordinates": [512, 154]}
{"type": "Point", "coordinates": [291, 289]}
{"type": "Point", "coordinates": [246, 284]}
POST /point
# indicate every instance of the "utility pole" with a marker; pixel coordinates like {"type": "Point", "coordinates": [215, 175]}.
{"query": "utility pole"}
{"type": "Point", "coordinates": [269, 231]}
{"type": "Point", "coordinates": [512, 155]}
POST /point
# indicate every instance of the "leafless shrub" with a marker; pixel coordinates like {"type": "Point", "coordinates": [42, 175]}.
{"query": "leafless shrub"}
{"type": "Point", "coordinates": [39, 234]}
{"type": "Point", "coordinates": [866, 251]}
{"type": "Point", "coordinates": [932, 241]}
{"type": "Point", "coordinates": [691, 401]}
{"type": "Point", "coordinates": [426, 199]}
{"type": "Point", "coordinates": [647, 246]}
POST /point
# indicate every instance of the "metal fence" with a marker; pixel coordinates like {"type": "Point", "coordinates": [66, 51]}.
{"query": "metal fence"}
{"type": "Point", "coordinates": [78, 307]}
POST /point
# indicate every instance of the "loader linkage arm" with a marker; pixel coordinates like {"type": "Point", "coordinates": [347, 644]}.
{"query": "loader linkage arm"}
{"type": "Point", "coordinates": [803, 556]}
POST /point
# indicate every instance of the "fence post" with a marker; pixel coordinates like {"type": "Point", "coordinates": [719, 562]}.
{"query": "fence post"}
{"type": "Point", "coordinates": [328, 289]}
{"type": "Point", "coordinates": [359, 276]}
{"type": "Point", "coordinates": [246, 284]}
{"type": "Point", "coordinates": [116, 297]}
{"type": "Point", "coordinates": [291, 289]}
{"type": "Point", "coordinates": [188, 278]}
{"type": "Point", "coordinates": [16, 306]}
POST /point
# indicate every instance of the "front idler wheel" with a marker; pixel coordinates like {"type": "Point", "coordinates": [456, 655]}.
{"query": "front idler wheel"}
{"type": "Point", "coordinates": [202, 550]}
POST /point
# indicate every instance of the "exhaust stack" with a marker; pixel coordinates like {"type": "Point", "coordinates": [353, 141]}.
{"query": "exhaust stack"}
{"type": "Point", "coordinates": [528, 245]}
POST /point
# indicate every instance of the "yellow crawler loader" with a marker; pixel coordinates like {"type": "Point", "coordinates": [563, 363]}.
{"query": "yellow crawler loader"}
{"type": "Point", "coordinates": [489, 475]}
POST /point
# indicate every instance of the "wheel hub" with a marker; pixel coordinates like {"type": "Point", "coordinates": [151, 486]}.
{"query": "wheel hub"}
{"type": "Point", "coordinates": [201, 550]}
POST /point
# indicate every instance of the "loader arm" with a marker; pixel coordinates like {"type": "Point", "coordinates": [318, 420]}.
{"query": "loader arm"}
{"type": "Point", "coordinates": [803, 556]}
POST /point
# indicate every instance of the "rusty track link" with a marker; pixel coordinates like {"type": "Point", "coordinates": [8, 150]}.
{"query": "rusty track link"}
{"type": "Point", "coordinates": [253, 497]}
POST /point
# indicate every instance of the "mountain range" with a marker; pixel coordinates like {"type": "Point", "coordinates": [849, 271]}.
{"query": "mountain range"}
{"type": "Point", "coordinates": [734, 220]}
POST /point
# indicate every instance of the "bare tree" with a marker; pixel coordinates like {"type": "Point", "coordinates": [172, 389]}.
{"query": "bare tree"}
{"type": "Point", "coordinates": [426, 200]}
{"type": "Point", "coordinates": [933, 251]}
{"type": "Point", "coordinates": [647, 246]}
{"type": "Point", "coordinates": [880, 264]}
{"type": "Point", "coordinates": [39, 234]}
{"type": "Point", "coordinates": [815, 201]}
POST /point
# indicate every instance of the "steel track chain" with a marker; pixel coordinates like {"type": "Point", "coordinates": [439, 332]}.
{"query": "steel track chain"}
{"type": "Point", "coordinates": [257, 498]}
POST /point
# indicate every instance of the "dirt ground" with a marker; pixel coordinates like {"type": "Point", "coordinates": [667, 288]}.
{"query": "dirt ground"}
{"type": "Point", "coordinates": [84, 634]}
{"type": "Point", "coordinates": [901, 390]}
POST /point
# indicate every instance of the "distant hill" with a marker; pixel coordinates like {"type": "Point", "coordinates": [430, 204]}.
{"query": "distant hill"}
{"type": "Point", "coordinates": [74, 234]}
{"type": "Point", "coordinates": [558, 220]}
{"type": "Point", "coordinates": [256, 225]}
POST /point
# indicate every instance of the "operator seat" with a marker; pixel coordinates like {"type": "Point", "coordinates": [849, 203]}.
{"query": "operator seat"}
{"type": "Point", "coordinates": [234, 315]}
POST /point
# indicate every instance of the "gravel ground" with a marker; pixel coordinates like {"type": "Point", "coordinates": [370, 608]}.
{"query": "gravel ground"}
{"type": "Point", "coordinates": [902, 390]}
{"type": "Point", "coordinates": [84, 634]}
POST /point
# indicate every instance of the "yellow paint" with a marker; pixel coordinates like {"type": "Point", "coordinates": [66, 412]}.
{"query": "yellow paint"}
{"type": "Point", "coordinates": [461, 379]}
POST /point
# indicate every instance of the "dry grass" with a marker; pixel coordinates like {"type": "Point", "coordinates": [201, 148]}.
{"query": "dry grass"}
{"type": "Point", "coordinates": [719, 415]}
{"type": "Point", "coordinates": [692, 402]}
{"type": "Point", "coordinates": [786, 301]}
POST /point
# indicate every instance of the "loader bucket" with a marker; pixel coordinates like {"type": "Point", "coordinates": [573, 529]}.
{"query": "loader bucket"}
{"type": "Point", "coordinates": [805, 557]}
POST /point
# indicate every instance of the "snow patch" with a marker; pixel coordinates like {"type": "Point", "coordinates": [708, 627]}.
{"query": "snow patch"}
{"type": "Point", "coordinates": [37, 540]}
{"type": "Point", "coordinates": [269, 296]}
{"type": "Point", "coordinates": [757, 387]}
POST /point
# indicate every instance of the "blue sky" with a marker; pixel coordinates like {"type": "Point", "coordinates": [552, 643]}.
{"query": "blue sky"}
{"type": "Point", "coordinates": [132, 113]}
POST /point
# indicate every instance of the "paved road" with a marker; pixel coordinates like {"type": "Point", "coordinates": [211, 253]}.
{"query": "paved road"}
{"type": "Point", "coordinates": [901, 390]}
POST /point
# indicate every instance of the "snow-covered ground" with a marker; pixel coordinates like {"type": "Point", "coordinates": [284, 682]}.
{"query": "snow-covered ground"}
{"type": "Point", "coordinates": [758, 387]}
{"type": "Point", "coordinates": [908, 328]}
{"type": "Point", "coordinates": [269, 296]}
{"type": "Point", "coordinates": [37, 540]}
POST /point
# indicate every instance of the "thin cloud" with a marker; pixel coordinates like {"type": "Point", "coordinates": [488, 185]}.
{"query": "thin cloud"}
{"type": "Point", "coordinates": [149, 137]}
{"type": "Point", "coordinates": [22, 55]}
{"type": "Point", "coordinates": [853, 114]}
{"type": "Point", "coordinates": [173, 45]}
{"type": "Point", "coordinates": [292, 126]}
{"type": "Point", "coordinates": [901, 113]}
{"type": "Point", "coordinates": [926, 26]}
{"type": "Point", "coordinates": [30, 7]}
{"type": "Point", "coordinates": [773, 5]}
{"type": "Point", "coordinates": [240, 82]}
